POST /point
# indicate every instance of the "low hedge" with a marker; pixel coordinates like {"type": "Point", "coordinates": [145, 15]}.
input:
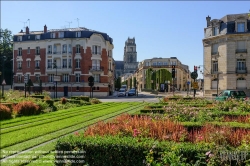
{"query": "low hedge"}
{"type": "Point", "coordinates": [38, 96]}
{"type": "Point", "coordinates": [50, 102]}
{"type": "Point", "coordinates": [74, 101]}
{"type": "Point", "coordinates": [85, 98]}
{"type": "Point", "coordinates": [124, 151]}
{"type": "Point", "coordinates": [5, 112]}
{"type": "Point", "coordinates": [157, 110]}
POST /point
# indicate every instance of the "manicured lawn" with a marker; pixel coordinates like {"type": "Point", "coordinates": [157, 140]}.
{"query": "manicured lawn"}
{"type": "Point", "coordinates": [30, 132]}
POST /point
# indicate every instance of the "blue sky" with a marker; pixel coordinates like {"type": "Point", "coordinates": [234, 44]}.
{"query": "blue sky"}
{"type": "Point", "coordinates": [161, 29]}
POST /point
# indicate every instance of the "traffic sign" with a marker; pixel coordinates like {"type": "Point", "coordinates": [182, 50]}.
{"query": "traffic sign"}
{"type": "Point", "coordinates": [195, 85]}
{"type": "Point", "coordinates": [188, 82]}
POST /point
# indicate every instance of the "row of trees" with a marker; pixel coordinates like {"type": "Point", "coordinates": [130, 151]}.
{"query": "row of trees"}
{"type": "Point", "coordinates": [6, 55]}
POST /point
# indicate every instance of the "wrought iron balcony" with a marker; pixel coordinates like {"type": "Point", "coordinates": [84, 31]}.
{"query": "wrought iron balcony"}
{"type": "Point", "coordinates": [241, 70]}
{"type": "Point", "coordinates": [96, 53]}
{"type": "Point", "coordinates": [241, 51]}
{"type": "Point", "coordinates": [214, 71]}
{"type": "Point", "coordinates": [96, 68]}
{"type": "Point", "coordinates": [19, 68]}
{"type": "Point", "coordinates": [57, 52]}
{"type": "Point", "coordinates": [215, 53]}
{"type": "Point", "coordinates": [49, 52]}
{"type": "Point", "coordinates": [52, 67]}
{"type": "Point", "coordinates": [37, 67]}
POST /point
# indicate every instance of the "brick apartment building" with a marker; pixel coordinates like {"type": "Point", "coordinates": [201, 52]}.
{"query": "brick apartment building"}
{"type": "Point", "coordinates": [66, 56]}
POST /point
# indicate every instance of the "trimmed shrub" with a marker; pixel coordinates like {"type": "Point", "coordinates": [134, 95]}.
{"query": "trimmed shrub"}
{"type": "Point", "coordinates": [85, 98]}
{"type": "Point", "coordinates": [95, 101]}
{"type": "Point", "coordinates": [74, 101]}
{"type": "Point", "coordinates": [5, 112]}
{"type": "Point", "coordinates": [26, 108]}
{"type": "Point", "coordinates": [50, 102]}
{"type": "Point", "coordinates": [63, 100]}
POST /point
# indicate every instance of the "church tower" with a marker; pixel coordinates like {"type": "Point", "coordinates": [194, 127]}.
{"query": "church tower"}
{"type": "Point", "coordinates": [130, 56]}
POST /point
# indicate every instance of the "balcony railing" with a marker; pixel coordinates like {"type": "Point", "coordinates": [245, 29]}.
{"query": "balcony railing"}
{"type": "Point", "coordinates": [241, 51]}
{"type": "Point", "coordinates": [214, 71]}
{"type": "Point", "coordinates": [96, 68]}
{"type": "Point", "coordinates": [241, 70]}
{"type": "Point", "coordinates": [52, 67]}
{"type": "Point", "coordinates": [57, 52]}
{"type": "Point", "coordinates": [37, 53]}
{"type": "Point", "coordinates": [37, 67]}
{"type": "Point", "coordinates": [215, 53]}
{"type": "Point", "coordinates": [49, 52]}
{"type": "Point", "coordinates": [96, 53]}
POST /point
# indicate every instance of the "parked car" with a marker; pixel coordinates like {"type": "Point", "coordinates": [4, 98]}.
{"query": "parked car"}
{"type": "Point", "coordinates": [227, 94]}
{"type": "Point", "coordinates": [122, 92]}
{"type": "Point", "coordinates": [131, 92]}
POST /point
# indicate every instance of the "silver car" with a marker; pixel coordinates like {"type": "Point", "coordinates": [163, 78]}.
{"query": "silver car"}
{"type": "Point", "coordinates": [122, 92]}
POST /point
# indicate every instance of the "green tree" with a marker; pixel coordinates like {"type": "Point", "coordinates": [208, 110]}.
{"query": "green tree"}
{"type": "Point", "coordinates": [118, 83]}
{"type": "Point", "coordinates": [158, 77]}
{"type": "Point", "coordinates": [134, 82]}
{"type": "Point", "coordinates": [6, 50]}
{"type": "Point", "coordinates": [130, 83]}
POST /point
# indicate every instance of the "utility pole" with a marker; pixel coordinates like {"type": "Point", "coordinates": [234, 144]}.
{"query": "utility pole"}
{"type": "Point", "coordinates": [77, 19]}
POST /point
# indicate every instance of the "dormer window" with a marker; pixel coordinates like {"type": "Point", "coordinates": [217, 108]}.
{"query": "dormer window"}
{"type": "Point", "coordinates": [240, 27]}
{"type": "Point", "coordinates": [37, 37]}
{"type": "Point", "coordinates": [19, 38]}
{"type": "Point", "coordinates": [78, 34]}
{"type": "Point", "coordinates": [215, 31]}
{"type": "Point", "coordinates": [53, 35]}
{"type": "Point", "coordinates": [61, 34]}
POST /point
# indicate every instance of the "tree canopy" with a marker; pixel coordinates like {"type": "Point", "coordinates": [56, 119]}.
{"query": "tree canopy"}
{"type": "Point", "coordinates": [6, 55]}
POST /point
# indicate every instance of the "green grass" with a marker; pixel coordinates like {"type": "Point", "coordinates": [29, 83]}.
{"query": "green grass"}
{"type": "Point", "coordinates": [49, 146]}
{"type": "Point", "coordinates": [33, 142]}
{"type": "Point", "coordinates": [61, 116]}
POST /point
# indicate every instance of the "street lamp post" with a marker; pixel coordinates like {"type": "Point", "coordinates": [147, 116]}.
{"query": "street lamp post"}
{"type": "Point", "coordinates": [55, 66]}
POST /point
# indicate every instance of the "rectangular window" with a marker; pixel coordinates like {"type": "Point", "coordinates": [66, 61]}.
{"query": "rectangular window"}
{"type": "Point", "coordinates": [54, 49]}
{"type": "Point", "coordinates": [64, 63]}
{"type": "Point", "coordinates": [49, 49]}
{"type": "Point", "coordinates": [51, 77]}
{"type": "Point", "coordinates": [77, 75]}
{"type": "Point", "coordinates": [61, 34]}
{"type": "Point", "coordinates": [215, 49]}
{"type": "Point", "coordinates": [96, 50]}
{"type": "Point", "coordinates": [165, 63]}
{"type": "Point", "coordinates": [19, 78]}
{"type": "Point", "coordinates": [78, 48]}
{"type": "Point", "coordinates": [53, 35]}
{"type": "Point", "coordinates": [37, 65]}
{"type": "Point", "coordinates": [69, 48]}
{"type": "Point", "coordinates": [241, 27]}
{"type": "Point", "coordinates": [154, 63]}
{"type": "Point", "coordinates": [37, 77]}
{"type": "Point", "coordinates": [28, 76]}
{"type": "Point", "coordinates": [65, 48]}
{"type": "Point", "coordinates": [28, 64]}
{"type": "Point", "coordinates": [19, 65]}
{"type": "Point", "coordinates": [65, 78]}
{"type": "Point", "coordinates": [28, 50]}
{"type": "Point", "coordinates": [37, 37]}
{"type": "Point", "coordinates": [215, 66]}
{"type": "Point", "coordinates": [19, 38]}
{"type": "Point", "coordinates": [215, 31]}
{"type": "Point", "coordinates": [19, 52]}
{"type": "Point", "coordinates": [78, 34]}
{"type": "Point", "coordinates": [95, 64]}
{"type": "Point", "coordinates": [78, 63]}
{"type": "Point", "coordinates": [96, 77]}
{"type": "Point", "coordinates": [241, 64]}
{"type": "Point", "coordinates": [37, 50]}
{"type": "Point", "coordinates": [49, 63]}
{"type": "Point", "coordinates": [69, 60]}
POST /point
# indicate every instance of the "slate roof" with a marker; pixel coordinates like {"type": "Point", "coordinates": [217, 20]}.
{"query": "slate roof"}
{"type": "Point", "coordinates": [119, 65]}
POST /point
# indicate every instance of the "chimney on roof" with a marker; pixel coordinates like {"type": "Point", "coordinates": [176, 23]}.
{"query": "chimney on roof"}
{"type": "Point", "coordinates": [208, 20]}
{"type": "Point", "coordinates": [45, 29]}
{"type": "Point", "coordinates": [21, 31]}
{"type": "Point", "coordinates": [27, 30]}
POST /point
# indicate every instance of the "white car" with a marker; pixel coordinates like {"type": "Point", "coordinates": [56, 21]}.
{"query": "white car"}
{"type": "Point", "coordinates": [122, 92]}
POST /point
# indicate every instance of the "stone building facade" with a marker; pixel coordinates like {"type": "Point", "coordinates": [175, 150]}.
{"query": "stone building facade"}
{"type": "Point", "coordinates": [226, 54]}
{"type": "Point", "coordinates": [66, 57]}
